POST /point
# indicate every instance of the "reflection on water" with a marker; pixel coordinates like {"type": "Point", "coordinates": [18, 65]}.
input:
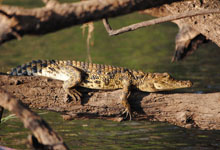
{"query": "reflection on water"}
{"type": "Point", "coordinates": [149, 49]}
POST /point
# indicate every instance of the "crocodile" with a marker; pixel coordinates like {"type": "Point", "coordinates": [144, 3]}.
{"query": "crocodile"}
{"type": "Point", "coordinates": [102, 77]}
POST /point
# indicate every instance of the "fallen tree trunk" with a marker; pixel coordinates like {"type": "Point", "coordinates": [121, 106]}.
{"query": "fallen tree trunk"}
{"type": "Point", "coordinates": [182, 109]}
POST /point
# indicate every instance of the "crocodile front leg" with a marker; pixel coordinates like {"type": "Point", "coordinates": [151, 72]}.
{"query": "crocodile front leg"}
{"type": "Point", "coordinates": [75, 78]}
{"type": "Point", "coordinates": [124, 97]}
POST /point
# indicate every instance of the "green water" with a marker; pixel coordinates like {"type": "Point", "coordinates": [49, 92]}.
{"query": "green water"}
{"type": "Point", "coordinates": [149, 49]}
{"type": "Point", "coordinates": [101, 134]}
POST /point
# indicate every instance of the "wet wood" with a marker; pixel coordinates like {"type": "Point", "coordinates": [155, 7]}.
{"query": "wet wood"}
{"type": "Point", "coordinates": [43, 136]}
{"type": "Point", "coordinates": [182, 109]}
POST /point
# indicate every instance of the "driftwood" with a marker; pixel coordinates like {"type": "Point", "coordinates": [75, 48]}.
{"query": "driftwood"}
{"type": "Point", "coordinates": [43, 136]}
{"type": "Point", "coordinates": [182, 109]}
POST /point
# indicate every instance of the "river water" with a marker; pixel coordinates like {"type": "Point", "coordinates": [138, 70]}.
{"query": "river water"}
{"type": "Point", "coordinates": [149, 49]}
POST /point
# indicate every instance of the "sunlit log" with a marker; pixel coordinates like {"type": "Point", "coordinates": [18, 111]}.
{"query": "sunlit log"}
{"type": "Point", "coordinates": [182, 109]}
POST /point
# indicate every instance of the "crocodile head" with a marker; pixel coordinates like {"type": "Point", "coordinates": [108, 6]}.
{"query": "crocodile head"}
{"type": "Point", "coordinates": [153, 82]}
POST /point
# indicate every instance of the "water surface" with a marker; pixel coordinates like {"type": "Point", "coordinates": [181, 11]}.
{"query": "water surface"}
{"type": "Point", "coordinates": [102, 134]}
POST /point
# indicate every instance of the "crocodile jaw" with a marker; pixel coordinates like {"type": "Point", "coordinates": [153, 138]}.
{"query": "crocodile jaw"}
{"type": "Point", "coordinates": [175, 84]}
{"type": "Point", "coordinates": [154, 82]}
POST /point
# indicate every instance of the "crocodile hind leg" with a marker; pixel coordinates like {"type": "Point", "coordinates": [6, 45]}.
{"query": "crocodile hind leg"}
{"type": "Point", "coordinates": [74, 79]}
{"type": "Point", "coordinates": [124, 98]}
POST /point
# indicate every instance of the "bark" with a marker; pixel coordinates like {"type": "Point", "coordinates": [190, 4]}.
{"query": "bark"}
{"type": "Point", "coordinates": [182, 109]}
{"type": "Point", "coordinates": [17, 21]}
{"type": "Point", "coordinates": [43, 136]}
{"type": "Point", "coordinates": [194, 31]}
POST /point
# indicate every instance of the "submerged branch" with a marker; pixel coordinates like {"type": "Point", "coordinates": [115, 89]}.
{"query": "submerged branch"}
{"type": "Point", "coordinates": [182, 109]}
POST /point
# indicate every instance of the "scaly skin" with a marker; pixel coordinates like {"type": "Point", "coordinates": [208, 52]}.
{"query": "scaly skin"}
{"type": "Point", "coordinates": [104, 77]}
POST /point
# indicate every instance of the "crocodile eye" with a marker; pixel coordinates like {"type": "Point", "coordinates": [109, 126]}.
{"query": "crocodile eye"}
{"type": "Point", "coordinates": [165, 74]}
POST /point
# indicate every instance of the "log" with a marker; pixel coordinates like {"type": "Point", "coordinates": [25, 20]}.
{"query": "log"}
{"type": "Point", "coordinates": [182, 109]}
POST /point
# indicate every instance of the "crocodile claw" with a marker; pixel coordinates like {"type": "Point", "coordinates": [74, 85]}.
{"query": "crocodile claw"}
{"type": "Point", "coordinates": [128, 113]}
{"type": "Point", "coordinates": [75, 95]}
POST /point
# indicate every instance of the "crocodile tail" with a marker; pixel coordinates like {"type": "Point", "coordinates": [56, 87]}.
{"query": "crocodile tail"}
{"type": "Point", "coordinates": [32, 68]}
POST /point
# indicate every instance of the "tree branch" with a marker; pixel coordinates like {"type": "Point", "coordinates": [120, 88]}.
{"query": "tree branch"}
{"type": "Point", "coordinates": [155, 21]}
{"type": "Point", "coordinates": [55, 16]}
{"type": "Point", "coordinates": [193, 31]}
{"type": "Point", "coordinates": [44, 137]}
